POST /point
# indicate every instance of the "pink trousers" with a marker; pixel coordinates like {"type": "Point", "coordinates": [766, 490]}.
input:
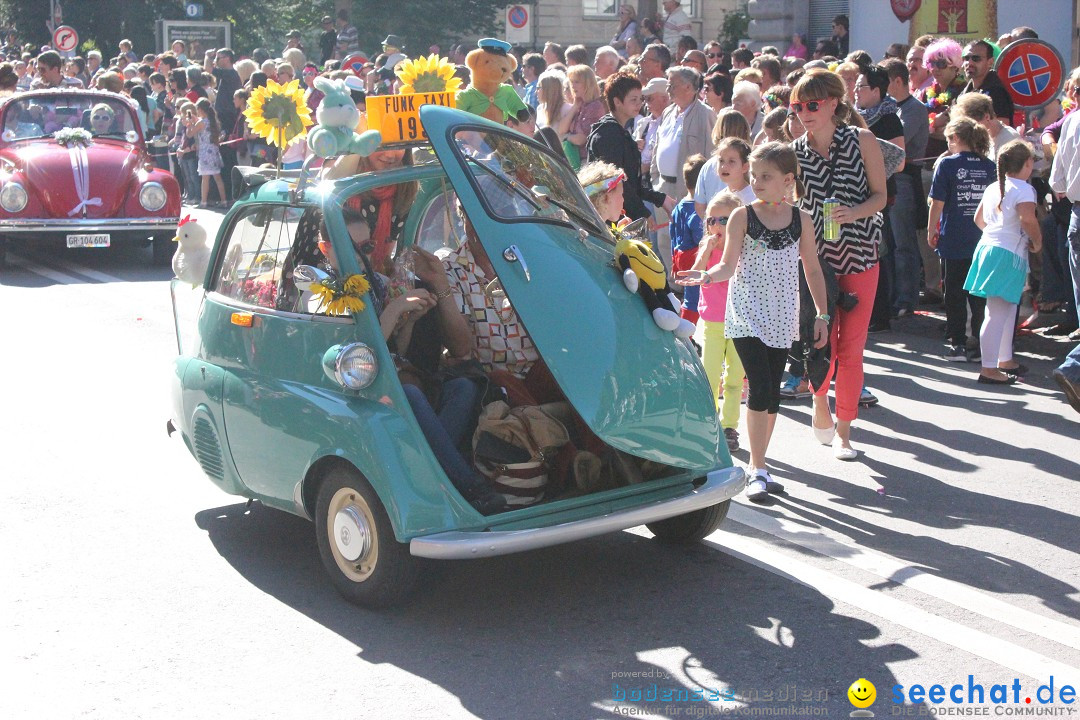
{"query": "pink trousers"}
{"type": "Point", "coordinates": [847, 342]}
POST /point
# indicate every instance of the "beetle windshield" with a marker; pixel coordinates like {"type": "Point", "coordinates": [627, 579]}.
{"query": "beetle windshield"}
{"type": "Point", "coordinates": [43, 115]}
{"type": "Point", "coordinates": [524, 182]}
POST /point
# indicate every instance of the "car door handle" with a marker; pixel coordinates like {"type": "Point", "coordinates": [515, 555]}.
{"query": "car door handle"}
{"type": "Point", "coordinates": [513, 254]}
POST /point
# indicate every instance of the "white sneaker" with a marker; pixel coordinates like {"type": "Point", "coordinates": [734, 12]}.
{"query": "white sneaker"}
{"type": "Point", "coordinates": [757, 488]}
{"type": "Point", "coordinates": [843, 453]}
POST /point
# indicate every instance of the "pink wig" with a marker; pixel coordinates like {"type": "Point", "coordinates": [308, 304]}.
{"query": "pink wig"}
{"type": "Point", "coordinates": [943, 49]}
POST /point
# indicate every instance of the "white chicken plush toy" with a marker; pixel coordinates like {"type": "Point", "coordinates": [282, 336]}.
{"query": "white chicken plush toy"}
{"type": "Point", "coordinates": [192, 256]}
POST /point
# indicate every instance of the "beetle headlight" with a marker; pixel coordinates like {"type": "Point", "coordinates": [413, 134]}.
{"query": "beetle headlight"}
{"type": "Point", "coordinates": [352, 366]}
{"type": "Point", "coordinates": [13, 197]}
{"type": "Point", "coordinates": [152, 196]}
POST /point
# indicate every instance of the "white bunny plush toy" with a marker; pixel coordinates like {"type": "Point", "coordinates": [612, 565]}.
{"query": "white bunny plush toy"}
{"type": "Point", "coordinates": [338, 116]}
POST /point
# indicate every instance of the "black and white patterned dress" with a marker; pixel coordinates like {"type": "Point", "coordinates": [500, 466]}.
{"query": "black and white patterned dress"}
{"type": "Point", "coordinates": [763, 297]}
{"type": "Point", "coordinates": [842, 176]}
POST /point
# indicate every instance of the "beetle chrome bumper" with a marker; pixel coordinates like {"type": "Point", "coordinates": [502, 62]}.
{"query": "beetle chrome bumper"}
{"type": "Point", "coordinates": [84, 225]}
{"type": "Point", "coordinates": [720, 485]}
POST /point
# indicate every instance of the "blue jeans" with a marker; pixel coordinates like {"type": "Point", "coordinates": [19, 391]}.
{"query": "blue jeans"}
{"type": "Point", "coordinates": [446, 429]}
{"type": "Point", "coordinates": [1057, 281]}
{"type": "Point", "coordinates": [189, 168]}
{"type": "Point", "coordinates": [1071, 367]}
{"type": "Point", "coordinates": [907, 261]}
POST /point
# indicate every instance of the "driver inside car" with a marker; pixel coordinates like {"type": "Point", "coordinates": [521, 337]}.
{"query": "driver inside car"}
{"type": "Point", "coordinates": [102, 119]}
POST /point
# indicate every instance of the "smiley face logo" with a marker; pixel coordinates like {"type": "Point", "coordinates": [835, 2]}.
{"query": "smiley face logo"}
{"type": "Point", "coordinates": [862, 693]}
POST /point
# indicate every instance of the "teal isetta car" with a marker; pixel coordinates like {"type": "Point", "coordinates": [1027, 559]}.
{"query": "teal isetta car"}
{"type": "Point", "coordinates": [304, 411]}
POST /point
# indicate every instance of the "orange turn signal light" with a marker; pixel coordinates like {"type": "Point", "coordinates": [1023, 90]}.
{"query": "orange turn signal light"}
{"type": "Point", "coordinates": [242, 319]}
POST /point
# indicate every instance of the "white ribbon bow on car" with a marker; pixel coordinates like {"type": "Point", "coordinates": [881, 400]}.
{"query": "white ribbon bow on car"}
{"type": "Point", "coordinates": [80, 170]}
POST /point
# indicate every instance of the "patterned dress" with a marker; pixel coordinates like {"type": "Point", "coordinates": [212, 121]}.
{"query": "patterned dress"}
{"type": "Point", "coordinates": [501, 342]}
{"type": "Point", "coordinates": [209, 154]}
{"type": "Point", "coordinates": [842, 176]}
{"type": "Point", "coordinates": [763, 295]}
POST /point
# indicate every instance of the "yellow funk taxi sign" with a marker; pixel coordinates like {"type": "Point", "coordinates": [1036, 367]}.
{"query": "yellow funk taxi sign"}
{"type": "Point", "coordinates": [397, 117]}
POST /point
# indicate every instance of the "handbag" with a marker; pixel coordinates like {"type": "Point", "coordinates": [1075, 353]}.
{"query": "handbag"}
{"type": "Point", "coordinates": [534, 433]}
{"type": "Point", "coordinates": [893, 155]}
{"type": "Point", "coordinates": [573, 154]}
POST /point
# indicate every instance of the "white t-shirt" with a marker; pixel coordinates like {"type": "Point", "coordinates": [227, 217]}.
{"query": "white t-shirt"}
{"type": "Point", "coordinates": [668, 139]}
{"type": "Point", "coordinates": [1006, 134]}
{"type": "Point", "coordinates": [709, 184]}
{"type": "Point", "coordinates": [1003, 226]}
{"type": "Point", "coordinates": [541, 114]}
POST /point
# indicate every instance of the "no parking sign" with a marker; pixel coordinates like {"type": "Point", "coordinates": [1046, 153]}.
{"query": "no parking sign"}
{"type": "Point", "coordinates": [1032, 71]}
{"type": "Point", "coordinates": [518, 24]}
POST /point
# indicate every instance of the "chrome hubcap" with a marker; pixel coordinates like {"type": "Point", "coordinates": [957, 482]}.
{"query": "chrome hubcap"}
{"type": "Point", "coordinates": [352, 535]}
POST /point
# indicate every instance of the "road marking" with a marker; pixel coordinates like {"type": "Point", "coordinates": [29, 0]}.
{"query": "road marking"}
{"type": "Point", "coordinates": [1004, 653]}
{"type": "Point", "coordinates": [824, 542]}
{"type": "Point", "coordinates": [54, 275]}
{"type": "Point", "coordinates": [60, 277]}
{"type": "Point", "coordinates": [82, 270]}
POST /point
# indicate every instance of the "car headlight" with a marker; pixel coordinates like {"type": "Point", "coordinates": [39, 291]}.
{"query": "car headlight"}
{"type": "Point", "coordinates": [13, 197]}
{"type": "Point", "coordinates": [352, 366]}
{"type": "Point", "coordinates": [152, 196]}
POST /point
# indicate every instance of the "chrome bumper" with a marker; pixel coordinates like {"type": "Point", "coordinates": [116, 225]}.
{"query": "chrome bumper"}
{"type": "Point", "coordinates": [87, 225]}
{"type": "Point", "coordinates": [720, 485]}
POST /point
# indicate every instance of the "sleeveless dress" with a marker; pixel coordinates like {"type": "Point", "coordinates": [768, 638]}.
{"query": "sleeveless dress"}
{"type": "Point", "coordinates": [763, 295]}
{"type": "Point", "coordinates": [208, 153]}
{"type": "Point", "coordinates": [841, 176]}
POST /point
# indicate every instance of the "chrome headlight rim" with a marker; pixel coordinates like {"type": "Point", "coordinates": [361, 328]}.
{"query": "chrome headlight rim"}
{"type": "Point", "coordinates": [153, 186]}
{"type": "Point", "coordinates": [22, 197]}
{"type": "Point", "coordinates": [335, 364]}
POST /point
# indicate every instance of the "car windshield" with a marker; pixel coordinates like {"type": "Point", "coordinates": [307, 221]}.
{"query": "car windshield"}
{"type": "Point", "coordinates": [524, 182]}
{"type": "Point", "coordinates": [42, 116]}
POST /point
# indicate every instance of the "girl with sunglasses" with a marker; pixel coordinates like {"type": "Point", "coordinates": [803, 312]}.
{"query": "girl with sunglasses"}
{"type": "Point", "coordinates": [769, 238]}
{"type": "Point", "coordinates": [718, 355]}
{"type": "Point", "coordinates": [841, 161]}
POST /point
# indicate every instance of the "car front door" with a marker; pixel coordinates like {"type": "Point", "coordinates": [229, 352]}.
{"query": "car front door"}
{"type": "Point", "coordinates": [270, 344]}
{"type": "Point", "coordinates": [638, 387]}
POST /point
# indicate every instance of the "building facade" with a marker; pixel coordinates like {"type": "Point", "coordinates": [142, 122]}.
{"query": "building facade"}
{"type": "Point", "coordinates": [876, 23]}
{"type": "Point", "coordinates": [594, 22]}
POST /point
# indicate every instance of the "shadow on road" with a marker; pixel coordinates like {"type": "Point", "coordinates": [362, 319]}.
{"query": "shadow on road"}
{"type": "Point", "coordinates": [546, 633]}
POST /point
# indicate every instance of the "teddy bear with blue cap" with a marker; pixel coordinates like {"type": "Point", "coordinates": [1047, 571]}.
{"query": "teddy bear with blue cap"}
{"type": "Point", "coordinates": [491, 64]}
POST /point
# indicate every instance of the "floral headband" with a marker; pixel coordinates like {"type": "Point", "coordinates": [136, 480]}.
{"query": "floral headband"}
{"type": "Point", "coordinates": [604, 185]}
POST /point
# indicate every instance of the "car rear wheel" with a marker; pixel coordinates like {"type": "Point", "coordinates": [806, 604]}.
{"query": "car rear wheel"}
{"type": "Point", "coordinates": [164, 248]}
{"type": "Point", "coordinates": [357, 546]}
{"type": "Point", "coordinates": [692, 526]}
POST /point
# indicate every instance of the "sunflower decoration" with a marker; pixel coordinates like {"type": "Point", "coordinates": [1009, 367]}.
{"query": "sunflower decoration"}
{"type": "Point", "coordinates": [427, 75]}
{"type": "Point", "coordinates": [278, 113]}
{"type": "Point", "coordinates": [341, 297]}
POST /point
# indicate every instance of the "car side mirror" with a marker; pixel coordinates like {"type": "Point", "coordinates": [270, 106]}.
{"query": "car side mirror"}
{"type": "Point", "coordinates": [304, 276]}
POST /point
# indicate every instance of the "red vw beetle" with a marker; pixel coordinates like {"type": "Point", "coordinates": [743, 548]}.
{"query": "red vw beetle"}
{"type": "Point", "coordinates": [74, 165]}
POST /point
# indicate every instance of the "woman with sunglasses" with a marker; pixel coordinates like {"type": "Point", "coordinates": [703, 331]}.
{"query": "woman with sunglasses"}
{"type": "Point", "coordinates": [942, 59]}
{"type": "Point", "coordinates": [843, 162]}
{"type": "Point", "coordinates": [627, 29]}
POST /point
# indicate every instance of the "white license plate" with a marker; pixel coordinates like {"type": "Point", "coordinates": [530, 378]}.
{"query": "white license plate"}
{"type": "Point", "coordinates": [96, 240]}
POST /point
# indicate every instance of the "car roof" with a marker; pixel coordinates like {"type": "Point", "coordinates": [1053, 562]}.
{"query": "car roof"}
{"type": "Point", "coordinates": [68, 91]}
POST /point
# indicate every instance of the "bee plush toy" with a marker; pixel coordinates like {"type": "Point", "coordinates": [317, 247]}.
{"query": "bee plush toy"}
{"type": "Point", "coordinates": [643, 273]}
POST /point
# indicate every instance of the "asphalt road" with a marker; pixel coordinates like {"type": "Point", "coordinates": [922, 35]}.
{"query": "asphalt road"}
{"type": "Point", "coordinates": [133, 588]}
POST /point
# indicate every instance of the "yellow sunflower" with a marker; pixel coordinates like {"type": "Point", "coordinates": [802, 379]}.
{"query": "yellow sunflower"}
{"type": "Point", "coordinates": [278, 113]}
{"type": "Point", "coordinates": [427, 75]}
{"type": "Point", "coordinates": [339, 297]}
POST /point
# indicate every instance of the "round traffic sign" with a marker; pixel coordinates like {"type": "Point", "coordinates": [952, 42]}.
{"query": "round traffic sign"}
{"type": "Point", "coordinates": [518, 16]}
{"type": "Point", "coordinates": [1032, 71]}
{"type": "Point", "coordinates": [354, 62]}
{"type": "Point", "coordinates": [65, 39]}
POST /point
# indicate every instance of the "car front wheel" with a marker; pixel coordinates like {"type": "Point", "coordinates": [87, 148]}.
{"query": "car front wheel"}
{"type": "Point", "coordinates": [692, 526]}
{"type": "Point", "coordinates": [357, 546]}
